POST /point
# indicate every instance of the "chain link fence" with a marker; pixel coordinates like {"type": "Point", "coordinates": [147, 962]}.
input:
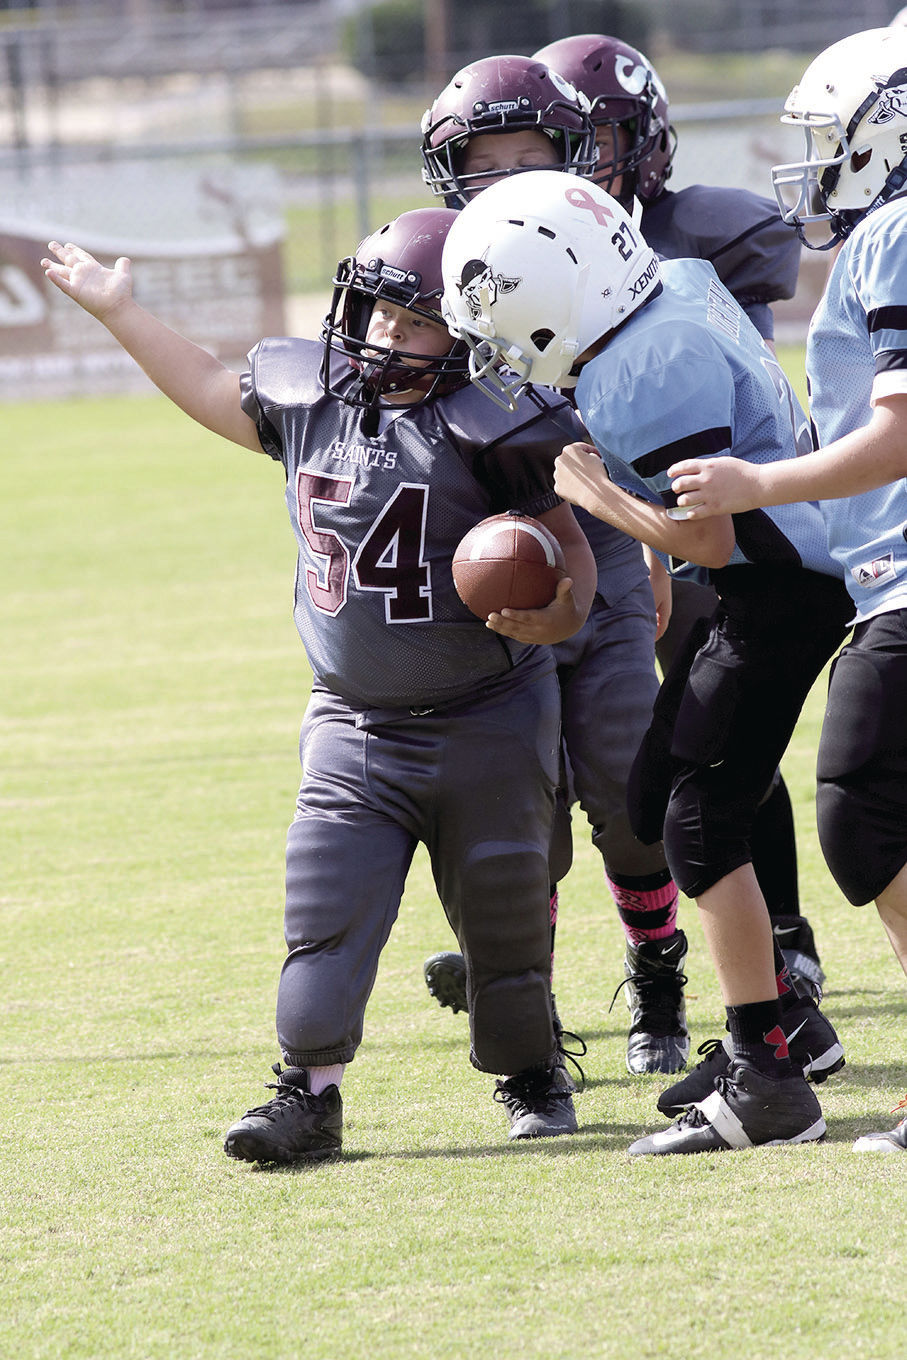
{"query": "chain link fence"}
{"type": "Point", "coordinates": [239, 153]}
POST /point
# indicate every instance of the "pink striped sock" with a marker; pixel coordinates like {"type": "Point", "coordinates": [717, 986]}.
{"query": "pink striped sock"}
{"type": "Point", "coordinates": [646, 913]}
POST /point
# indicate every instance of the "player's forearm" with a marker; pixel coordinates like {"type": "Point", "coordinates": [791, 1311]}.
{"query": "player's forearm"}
{"type": "Point", "coordinates": [872, 456]}
{"type": "Point", "coordinates": [862, 461]}
{"type": "Point", "coordinates": [707, 543]}
{"type": "Point", "coordinates": [192, 378]}
{"type": "Point", "coordinates": [582, 571]}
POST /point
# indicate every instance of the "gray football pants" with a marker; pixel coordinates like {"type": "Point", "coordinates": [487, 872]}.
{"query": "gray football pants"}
{"type": "Point", "coordinates": [475, 783]}
{"type": "Point", "coordinates": [608, 686]}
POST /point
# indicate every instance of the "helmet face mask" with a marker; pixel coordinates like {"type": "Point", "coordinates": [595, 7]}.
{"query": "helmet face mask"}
{"type": "Point", "coordinates": [797, 185]}
{"type": "Point", "coordinates": [399, 264]}
{"type": "Point", "coordinates": [501, 95]}
{"type": "Point", "coordinates": [852, 107]}
{"type": "Point", "coordinates": [625, 95]}
{"type": "Point", "coordinates": [538, 269]}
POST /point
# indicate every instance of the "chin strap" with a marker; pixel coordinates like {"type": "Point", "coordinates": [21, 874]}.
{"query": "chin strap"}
{"type": "Point", "coordinates": [369, 421]}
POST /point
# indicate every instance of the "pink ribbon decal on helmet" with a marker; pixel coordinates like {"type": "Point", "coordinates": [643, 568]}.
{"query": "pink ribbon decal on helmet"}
{"type": "Point", "coordinates": [581, 198]}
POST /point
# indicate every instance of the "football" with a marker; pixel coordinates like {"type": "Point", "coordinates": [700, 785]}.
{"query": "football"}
{"type": "Point", "coordinates": [508, 561]}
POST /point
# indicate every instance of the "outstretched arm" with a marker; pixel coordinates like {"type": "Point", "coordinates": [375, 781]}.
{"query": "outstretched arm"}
{"type": "Point", "coordinates": [580, 476]}
{"type": "Point", "coordinates": [870, 457]}
{"type": "Point", "coordinates": [186, 373]}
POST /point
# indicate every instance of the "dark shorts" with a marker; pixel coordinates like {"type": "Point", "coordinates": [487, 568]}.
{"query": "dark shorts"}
{"type": "Point", "coordinates": [775, 630]}
{"type": "Point", "coordinates": [862, 764]}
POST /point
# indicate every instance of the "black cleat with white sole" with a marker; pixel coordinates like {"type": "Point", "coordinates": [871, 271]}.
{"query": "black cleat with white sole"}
{"type": "Point", "coordinates": [895, 1140]}
{"type": "Point", "coordinates": [811, 1038]}
{"type": "Point", "coordinates": [746, 1109]}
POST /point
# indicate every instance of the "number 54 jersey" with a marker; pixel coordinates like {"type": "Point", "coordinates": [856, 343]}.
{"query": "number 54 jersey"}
{"type": "Point", "coordinates": [377, 519]}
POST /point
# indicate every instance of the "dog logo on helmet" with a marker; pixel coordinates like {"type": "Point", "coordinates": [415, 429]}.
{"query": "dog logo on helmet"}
{"type": "Point", "coordinates": [480, 287]}
{"type": "Point", "coordinates": [892, 104]}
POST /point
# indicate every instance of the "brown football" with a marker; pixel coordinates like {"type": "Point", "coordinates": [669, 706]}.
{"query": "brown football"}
{"type": "Point", "coordinates": [508, 561]}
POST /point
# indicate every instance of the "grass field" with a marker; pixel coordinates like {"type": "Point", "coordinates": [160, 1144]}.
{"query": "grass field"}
{"type": "Point", "coordinates": [152, 691]}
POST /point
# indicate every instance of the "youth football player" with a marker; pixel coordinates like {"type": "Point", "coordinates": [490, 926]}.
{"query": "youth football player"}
{"type": "Point", "coordinates": [851, 105]}
{"type": "Point", "coordinates": [549, 281]}
{"type": "Point", "coordinates": [424, 724]}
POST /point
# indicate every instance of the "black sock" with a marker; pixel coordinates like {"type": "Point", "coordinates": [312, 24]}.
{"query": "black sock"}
{"type": "Point", "coordinates": [757, 1035]}
{"type": "Point", "coordinates": [787, 993]}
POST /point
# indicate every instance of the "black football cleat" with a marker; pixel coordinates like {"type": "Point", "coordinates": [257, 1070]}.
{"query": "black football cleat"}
{"type": "Point", "coordinates": [798, 946]}
{"type": "Point", "coordinates": [746, 1109]}
{"type": "Point", "coordinates": [294, 1126]}
{"type": "Point", "coordinates": [445, 978]}
{"type": "Point", "coordinates": [539, 1103]}
{"type": "Point", "coordinates": [813, 1044]}
{"type": "Point", "coordinates": [658, 1039]}
{"type": "Point", "coordinates": [894, 1140]}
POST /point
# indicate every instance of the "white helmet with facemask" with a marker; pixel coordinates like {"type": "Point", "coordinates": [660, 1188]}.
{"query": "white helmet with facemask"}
{"type": "Point", "coordinates": [536, 270]}
{"type": "Point", "coordinates": [852, 107]}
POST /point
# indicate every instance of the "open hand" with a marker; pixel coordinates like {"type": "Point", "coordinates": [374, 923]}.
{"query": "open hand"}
{"type": "Point", "coordinates": [95, 287]}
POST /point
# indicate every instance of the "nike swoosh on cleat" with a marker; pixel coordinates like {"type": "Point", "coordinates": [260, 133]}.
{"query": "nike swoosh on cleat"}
{"type": "Point", "coordinates": [793, 1034]}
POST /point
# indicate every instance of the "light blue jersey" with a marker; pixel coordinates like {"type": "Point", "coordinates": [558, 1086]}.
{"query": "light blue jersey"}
{"type": "Point", "coordinates": [689, 376]}
{"type": "Point", "coordinates": [857, 352]}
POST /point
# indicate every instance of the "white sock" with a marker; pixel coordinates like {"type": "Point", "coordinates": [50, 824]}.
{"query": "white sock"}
{"type": "Point", "coordinates": [320, 1077]}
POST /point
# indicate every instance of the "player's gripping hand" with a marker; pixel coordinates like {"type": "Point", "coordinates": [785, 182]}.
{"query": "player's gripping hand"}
{"type": "Point", "coordinates": [92, 285]}
{"type": "Point", "coordinates": [579, 475]}
{"type": "Point", "coordinates": [716, 486]}
{"type": "Point", "coordinates": [555, 623]}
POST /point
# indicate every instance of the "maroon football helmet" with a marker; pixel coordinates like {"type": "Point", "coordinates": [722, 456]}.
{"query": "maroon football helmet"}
{"type": "Point", "coordinates": [624, 90]}
{"type": "Point", "coordinates": [401, 262]}
{"type": "Point", "coordinates": [503, 94]}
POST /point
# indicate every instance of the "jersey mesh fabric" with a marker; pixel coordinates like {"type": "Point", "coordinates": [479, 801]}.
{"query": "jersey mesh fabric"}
{"type": "Point", "coordinates": [687, 367]}
{"type": "Point", "coordinates": [859, 331]}
{"type": "Point", "coordinates": [377, 520]}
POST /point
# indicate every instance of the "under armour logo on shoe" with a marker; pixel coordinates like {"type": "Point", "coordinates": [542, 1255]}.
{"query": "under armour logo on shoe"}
{"type": "Point", "coordinates": [778, 1041]}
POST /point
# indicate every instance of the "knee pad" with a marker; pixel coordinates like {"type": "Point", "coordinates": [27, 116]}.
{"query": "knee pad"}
{"type": "Point", "coordinates": [861, 771]}
{"type": "Point", "coordinates": [865, 715]}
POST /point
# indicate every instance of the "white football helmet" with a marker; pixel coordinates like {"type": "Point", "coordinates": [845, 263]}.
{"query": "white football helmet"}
{"type": "Point", "coordinates": [536, 269]}
{"type": "Point", "coordinates": [852, 106]}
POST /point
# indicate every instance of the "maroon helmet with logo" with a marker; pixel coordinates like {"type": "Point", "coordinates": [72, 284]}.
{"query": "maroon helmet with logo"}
{"type": "Point", "coordinates": [503, 94]}
{"type": "Point", "coordinates": [400, 262]}
{"type": "Point", "coordinates": [625, 93]}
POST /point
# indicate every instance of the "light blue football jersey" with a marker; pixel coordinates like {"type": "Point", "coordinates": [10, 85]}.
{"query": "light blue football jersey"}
{"type": "Point", "coordinates": [857, 345]}
{"type": "Point", "coordinates": [689, 376]}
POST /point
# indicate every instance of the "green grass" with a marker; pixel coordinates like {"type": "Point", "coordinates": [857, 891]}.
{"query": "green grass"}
{"type": "Point", "coordinates": [152, 690]}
